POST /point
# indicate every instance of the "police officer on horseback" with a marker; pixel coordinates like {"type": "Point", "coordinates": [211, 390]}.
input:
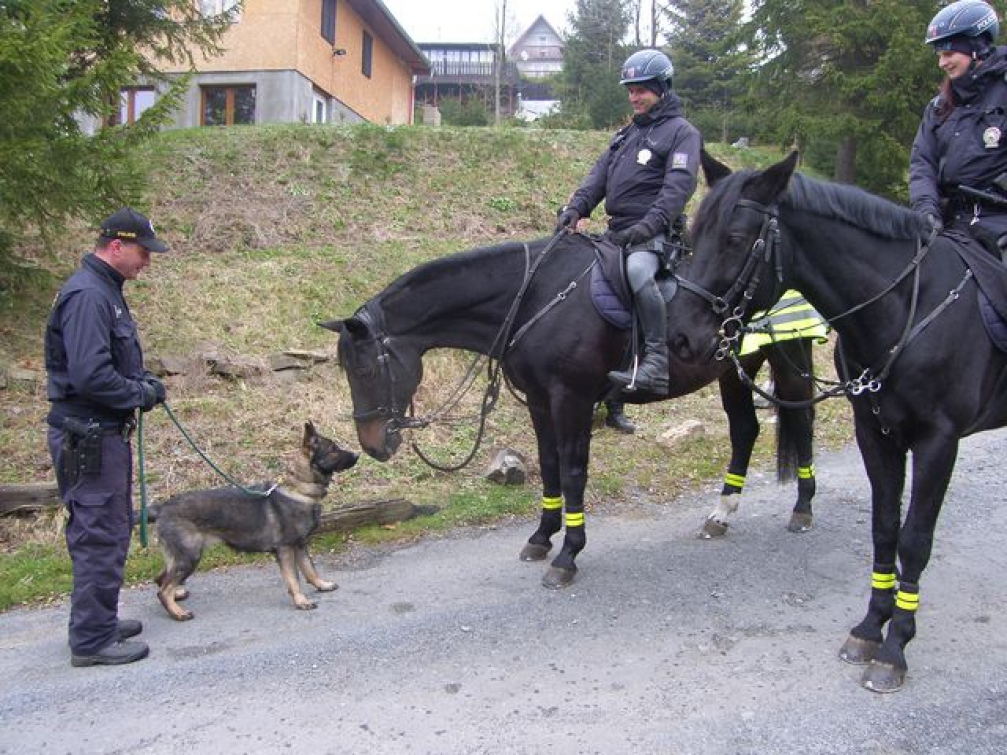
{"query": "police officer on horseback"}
{"type": "Point", "coordinates": [646, 176]}
{"type": "Point", "coordinates": [958, 167]}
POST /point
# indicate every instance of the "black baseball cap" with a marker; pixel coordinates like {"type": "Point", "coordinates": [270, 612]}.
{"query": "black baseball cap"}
{"type": "Point", "coordinates": [129, 225]}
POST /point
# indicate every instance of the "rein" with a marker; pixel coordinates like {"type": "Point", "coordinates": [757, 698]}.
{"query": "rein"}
{"type": "Point", "coordinates": [765, 249]}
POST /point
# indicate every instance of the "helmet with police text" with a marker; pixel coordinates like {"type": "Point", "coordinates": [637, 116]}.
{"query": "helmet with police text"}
{"type": "Point", "coordinates": [651, 68]}
{"type": "Point", "coordinates": [965, 22]}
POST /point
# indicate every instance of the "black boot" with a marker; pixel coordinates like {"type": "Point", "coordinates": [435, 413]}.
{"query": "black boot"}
{"type": "Point", "coordinates": [617, 418]}
{"type": "Point", "coordinates": [652, 374]}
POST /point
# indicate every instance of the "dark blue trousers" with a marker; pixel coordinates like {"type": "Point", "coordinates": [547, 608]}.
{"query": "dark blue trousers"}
{"type": "Point", "coordinates": [97, 537]}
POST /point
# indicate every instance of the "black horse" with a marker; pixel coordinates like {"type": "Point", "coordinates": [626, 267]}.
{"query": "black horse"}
{"type": "Point", "coordinates": [530, 306]}
{"type": "Point", "coordinates": [913, 356]}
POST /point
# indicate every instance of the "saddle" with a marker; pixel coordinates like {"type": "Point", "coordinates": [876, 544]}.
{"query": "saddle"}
{"type": "Point", "coordinates": [991, 280]}
{"type": "Point", "coordinates": [610, 292]}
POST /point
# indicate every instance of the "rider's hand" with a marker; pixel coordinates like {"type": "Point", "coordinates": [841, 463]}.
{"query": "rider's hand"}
{"type": "Point", "coordinates": [635, 234]}
{"type": "Point", "coordinates": [566, 220]}
{"type": "Point", "coordinates": [935, 222]}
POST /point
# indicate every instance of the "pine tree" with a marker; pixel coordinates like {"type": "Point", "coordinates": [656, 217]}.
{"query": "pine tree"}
{"type": "Point", "coordinates": [847, 81]}
{"type": "Point", "coordinates": [60, 59]}
{"type": "Point", "coordinates": [710, 62]}
{"type": "Point", "coordinates": [592, 61]}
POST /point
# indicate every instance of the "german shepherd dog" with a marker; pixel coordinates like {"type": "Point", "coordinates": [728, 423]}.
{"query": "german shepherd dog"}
{"type": "Point", "coordinates": [278, 522]}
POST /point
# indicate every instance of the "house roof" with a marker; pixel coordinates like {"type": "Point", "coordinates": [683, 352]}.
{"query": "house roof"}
{"type": "Point", "coordinates": [540, 21]}
{"type": "Point", "coordinates": [392, 34]}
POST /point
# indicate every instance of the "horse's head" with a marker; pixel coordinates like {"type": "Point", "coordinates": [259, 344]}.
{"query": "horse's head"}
{"type": "Point", "coordinates": [735, 266]}
{"type": "Point", "coordinates": [383, 377]}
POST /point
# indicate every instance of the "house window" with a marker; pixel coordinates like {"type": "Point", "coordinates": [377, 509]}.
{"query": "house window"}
{"type": "Point", "coordinates": [216, 7]}
{"type": "Point", "coordinates": [132, 102]}
{"type": "Point", "coordinates": [365, 62]}
{"type": "Point", "coordinates": [329, 21]}
{"type": "Point", "coordinates": [228, 105]}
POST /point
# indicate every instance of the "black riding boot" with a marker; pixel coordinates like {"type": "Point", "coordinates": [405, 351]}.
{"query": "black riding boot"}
{"type": "Point", "coordinates": [617, 418]}
{"type": "Point", "coordinates": [652, 374]}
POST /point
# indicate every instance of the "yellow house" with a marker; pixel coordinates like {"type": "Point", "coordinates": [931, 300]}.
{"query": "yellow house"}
{"type": "Point", "coordinates": [307, 61]}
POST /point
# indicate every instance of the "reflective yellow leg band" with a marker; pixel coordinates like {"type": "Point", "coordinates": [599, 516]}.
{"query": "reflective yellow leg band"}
{"type": "Point", "coordinates": [806, 473]}
{"type": "Point", "coordinates": [907, 601]}
{"type": "Point", "coordinates": [575, 519]}
{"type": "Point", "coordinates": [882, 581]}
{"type": "Point", "coordinates": [551, 504]}
{"type": "Point", "coordinates": [735, 480]}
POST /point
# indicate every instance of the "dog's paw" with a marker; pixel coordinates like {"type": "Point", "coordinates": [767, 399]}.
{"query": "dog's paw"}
{"type": "Point", "coordinates": [303, 604]}
{"type": "Point", "coordinates": [183, 616]}
{"type": "Point", "coordinates": [324, 586]}
{"type": "Point", "coordinates": [181, 593]}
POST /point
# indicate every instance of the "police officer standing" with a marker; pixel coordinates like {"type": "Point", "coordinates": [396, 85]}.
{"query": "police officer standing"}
{"type": "Point", "coordinates": [962, 140]}
{"type": "Point", "coordinates": [96, 381]}
{"type": "Point", "coordinates": [646, 176]}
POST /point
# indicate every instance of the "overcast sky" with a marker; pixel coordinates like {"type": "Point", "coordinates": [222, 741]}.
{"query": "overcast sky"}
{"type": "Point", "coordinates": [472, 20]}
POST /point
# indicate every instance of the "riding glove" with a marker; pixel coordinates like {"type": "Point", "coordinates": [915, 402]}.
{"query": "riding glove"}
{"type": "Point", "coordinates": [567, 220]}
{"type": "Point", "coordinates": [635, 234]}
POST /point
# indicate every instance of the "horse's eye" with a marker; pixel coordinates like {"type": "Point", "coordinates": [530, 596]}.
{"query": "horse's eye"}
{"type": "Point", "coordinates": [364, 370]}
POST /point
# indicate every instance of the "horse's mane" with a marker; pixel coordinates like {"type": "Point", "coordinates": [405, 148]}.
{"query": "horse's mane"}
{"type": "Point", "coordinates": [469, 258]}
{"type": "Point", "coordinates": [842, 202]}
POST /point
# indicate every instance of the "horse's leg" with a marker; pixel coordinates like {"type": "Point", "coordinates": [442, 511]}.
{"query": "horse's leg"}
{"type": "Point", "coordinates": [571, 417]}
{"type": "Point", "coordinates": [933, 463]}
{"type": "Point", "coordinates": [885, 462]}
{"type": "Point", "coordinates": [792, 370]}
{"type": "Point", "coordinates": [551, 520]}
{"type": "Point", "coordinates": [744, 431]}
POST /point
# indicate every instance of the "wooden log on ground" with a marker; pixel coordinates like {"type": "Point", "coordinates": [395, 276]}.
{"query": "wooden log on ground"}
{"type": "Point", "coordinates": [30, 497]}
{"type": "Point", "coordinates": [36, 496]}
{"type": "Point", "coordinates": [349, 518]}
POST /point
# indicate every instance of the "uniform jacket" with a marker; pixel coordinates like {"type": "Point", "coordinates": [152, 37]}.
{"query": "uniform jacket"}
{"type": "Point", "coordinates": [648, 172]}
{"type": "Point", "coordinates": [969, 146]}
{"type": "Point", "coordinates": [92, 353]}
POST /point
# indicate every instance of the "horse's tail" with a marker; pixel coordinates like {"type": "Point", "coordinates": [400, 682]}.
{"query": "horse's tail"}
{"type": "Point", "coordinates": [790, 425]}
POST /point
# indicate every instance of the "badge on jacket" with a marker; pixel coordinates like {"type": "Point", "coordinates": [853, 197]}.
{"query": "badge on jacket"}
{"type": "Point", "coordinates": [643, 156]}
{"type": "Point", "coordinates": [680, 161]}
{"type": "Point", "coordinates": [991, 137]}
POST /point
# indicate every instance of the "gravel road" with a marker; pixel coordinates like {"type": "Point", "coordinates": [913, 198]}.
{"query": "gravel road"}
{"type": "Point", "coordinates": [664, 644]}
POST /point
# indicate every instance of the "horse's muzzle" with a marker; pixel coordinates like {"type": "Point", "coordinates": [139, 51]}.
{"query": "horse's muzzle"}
{"type": "Point", "coordinates": [379, 438]}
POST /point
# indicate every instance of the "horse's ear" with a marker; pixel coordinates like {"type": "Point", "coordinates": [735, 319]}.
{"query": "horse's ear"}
{"type": "Point", "coordinates": [713, 169]}
{"type": "Point", "coordinates": [352, 325]}
{"type": "Point", "coordinates": [772, 182]}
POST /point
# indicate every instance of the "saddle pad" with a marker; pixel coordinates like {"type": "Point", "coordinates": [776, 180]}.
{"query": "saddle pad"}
{"type": "Point", "coordinates": [607, 301]}
{"type": "Point", "coordinates": [995, 326]}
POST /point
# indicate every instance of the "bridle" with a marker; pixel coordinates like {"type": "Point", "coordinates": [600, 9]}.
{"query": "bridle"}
{"type": "Point", "coordinates": [735, 302]}
{"type": "Point", "coordinates": [373, 318]}
{"type": "Point", "coordinates": [765, 249]}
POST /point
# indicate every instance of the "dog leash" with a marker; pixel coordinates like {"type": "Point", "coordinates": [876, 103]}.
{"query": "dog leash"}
{"type": "Point", "coordinates": [144, 515]}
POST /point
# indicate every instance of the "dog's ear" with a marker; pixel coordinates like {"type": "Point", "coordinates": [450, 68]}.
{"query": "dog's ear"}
{"type": "Point", "coordinates": [309, 435]}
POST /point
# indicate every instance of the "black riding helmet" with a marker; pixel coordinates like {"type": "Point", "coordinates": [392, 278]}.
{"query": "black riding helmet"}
{"type": "Point", "coordinates": [966, 21]}
{"type": "Point", "coordinates": [648, 67]}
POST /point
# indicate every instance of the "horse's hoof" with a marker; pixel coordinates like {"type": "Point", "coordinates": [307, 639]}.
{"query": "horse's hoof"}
{"type": "Point", "coordinates": [557, 579]}
{"type": "Point", "coordinates": [883, 677]}
{"type": "Point", "coordinates": [533, 552]}
{"type": "Point", "coordinates": [799, 523]}
{"type": "Point", "coordinates": [713, 529]}
{"type": "Point", "coordinates": [858, 652]}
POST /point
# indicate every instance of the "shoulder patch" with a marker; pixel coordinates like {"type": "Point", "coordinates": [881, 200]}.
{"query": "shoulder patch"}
{"type": "Point", "coordinates": [680, 161]}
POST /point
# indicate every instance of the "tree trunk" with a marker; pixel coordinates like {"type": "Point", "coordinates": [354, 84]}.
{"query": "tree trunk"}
{"type": "Point", "coordinates": [846, 160]}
